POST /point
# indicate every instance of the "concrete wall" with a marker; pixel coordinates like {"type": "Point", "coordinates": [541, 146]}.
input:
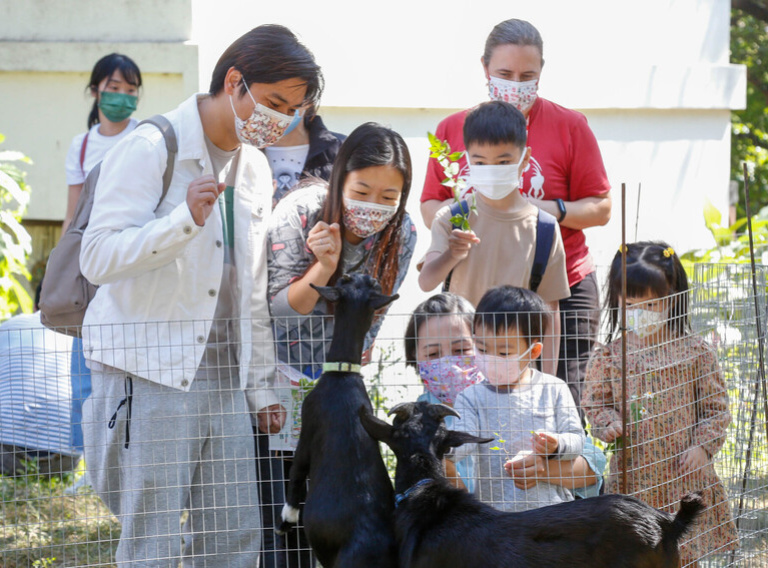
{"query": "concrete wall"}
{"type": "Point", "coordinates": [47, 51]}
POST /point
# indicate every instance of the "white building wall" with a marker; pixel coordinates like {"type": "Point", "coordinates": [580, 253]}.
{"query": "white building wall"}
{"type": "Point", "coordinates": [652, 77]}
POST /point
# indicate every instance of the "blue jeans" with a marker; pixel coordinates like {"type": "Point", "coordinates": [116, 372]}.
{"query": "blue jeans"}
{"type": "Point", "coordinates": [81, 389]}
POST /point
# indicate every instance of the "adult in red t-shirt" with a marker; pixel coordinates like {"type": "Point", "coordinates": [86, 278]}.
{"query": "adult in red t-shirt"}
{"type": "Point", "coordinates": [565, 177]}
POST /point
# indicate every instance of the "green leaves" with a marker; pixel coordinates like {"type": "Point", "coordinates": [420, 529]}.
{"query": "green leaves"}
{"type": "Point", "coordinates": [449, 161]}
{"type": "Point", "coordinates": [749, 126]}
{"type": "Point", "coordinates": [15, 242]}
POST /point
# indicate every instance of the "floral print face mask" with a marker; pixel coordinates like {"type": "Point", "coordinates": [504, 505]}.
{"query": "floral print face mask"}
{"type": "Point", "coordinates": [265, 126]}
{"type": "Point", "coordinates": [519, 94]}
{"type": "Point", "coordinates": [365, 219]}
{"type": "Point", "coordinates": [644, 323]}
{"type": "Point", "coordinates": [446, 377]}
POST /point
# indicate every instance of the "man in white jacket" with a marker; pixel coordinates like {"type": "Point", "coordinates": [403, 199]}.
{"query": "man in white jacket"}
{"type": "Point", "coordinates": [178, 336]}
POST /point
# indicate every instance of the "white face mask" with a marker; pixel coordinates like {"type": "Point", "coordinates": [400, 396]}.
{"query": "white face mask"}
{"type": "Point", "coordinates": [521, 94]}
{"type": "Point", "coordinates": [501, 371]}
{"type": "Point", "coordinates": [265, 126]}
{"type": "Point", "coordinates": [644, 323]}
{"type": "Point", "coordinates": [495, 182]}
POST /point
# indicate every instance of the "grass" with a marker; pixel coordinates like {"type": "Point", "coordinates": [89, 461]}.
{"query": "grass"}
{"type": "Point", "coordinates": [42, 526]}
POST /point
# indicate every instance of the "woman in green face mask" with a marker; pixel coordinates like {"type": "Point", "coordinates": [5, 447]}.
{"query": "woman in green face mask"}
{"type": "Point", "coordinates": [114, 84]}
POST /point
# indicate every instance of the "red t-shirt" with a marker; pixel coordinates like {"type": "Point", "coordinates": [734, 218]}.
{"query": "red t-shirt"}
{"type": "Point", "coordinates": [565, 164]}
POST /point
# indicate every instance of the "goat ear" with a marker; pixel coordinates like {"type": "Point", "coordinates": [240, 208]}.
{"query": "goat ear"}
{"type": "Point", "coordinates": [378, 301]}
{"type": "Point", "coordinates": [328, 293]}
{"type": "Point", "coordinates": [455, 439]}
{"type": "Point", "coordinates": [376, 428]}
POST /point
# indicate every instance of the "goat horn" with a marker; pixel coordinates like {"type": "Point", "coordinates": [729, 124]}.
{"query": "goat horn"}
{"type": "Point", "coordinates": [403, 411]}
{"type": "Point", "coordinates": [442, 410]}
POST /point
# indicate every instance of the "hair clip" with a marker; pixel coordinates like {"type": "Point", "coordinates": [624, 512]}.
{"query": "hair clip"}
{"type": "Point", "coordinates": [668, 252]}
{"type": "Point", "coordinates": [622, 248]}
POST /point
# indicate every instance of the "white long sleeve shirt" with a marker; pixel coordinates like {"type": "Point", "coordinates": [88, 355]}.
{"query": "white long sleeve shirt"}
{"type": "Point", "coordinates": [159, 273]}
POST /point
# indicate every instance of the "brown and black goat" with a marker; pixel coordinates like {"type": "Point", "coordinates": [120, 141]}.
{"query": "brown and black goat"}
{"type": "Point", "coordinates": [439, 526]}
{"type": "Point", "coordinates": [348, 515]}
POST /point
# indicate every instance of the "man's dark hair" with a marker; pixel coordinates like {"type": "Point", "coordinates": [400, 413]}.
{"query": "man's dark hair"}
{"type": "Point", "coordinates": [268, 54]}
{"type": "Point", "coordinates": [495, 122]}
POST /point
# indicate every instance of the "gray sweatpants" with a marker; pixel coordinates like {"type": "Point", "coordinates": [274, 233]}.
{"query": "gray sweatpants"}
{"type": "Point", "coordinates": [190, 451]}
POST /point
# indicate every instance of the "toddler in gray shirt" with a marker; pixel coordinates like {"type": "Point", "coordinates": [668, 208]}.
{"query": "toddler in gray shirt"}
{"type": "Point", "coordinates": [526, 411]}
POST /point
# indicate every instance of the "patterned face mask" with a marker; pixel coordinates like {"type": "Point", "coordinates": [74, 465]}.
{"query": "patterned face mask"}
{"type": "Point", "coordinates": [265, 126]}
{"type": "Point", "coordinates": [446, 377]}
{"type": "Point", "coordinates": [644, 322]}
{"type": "Point", "coordinates": [520, 94]}
{"type": "Point", "coordinates": [365, 219]}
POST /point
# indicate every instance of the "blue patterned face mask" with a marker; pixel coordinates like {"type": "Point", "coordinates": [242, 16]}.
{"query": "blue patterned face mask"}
{"type": "Point", "coordinates": [265, 126]}
{"type": "Point", "coordinates": [446, 377]}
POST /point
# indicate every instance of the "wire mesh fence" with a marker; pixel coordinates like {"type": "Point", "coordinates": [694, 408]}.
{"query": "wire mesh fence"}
{"type": "Point", "coordinates": [195, 482]}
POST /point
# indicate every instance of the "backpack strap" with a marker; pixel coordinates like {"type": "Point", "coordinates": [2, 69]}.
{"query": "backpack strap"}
{"type": "Point", "coordinates": [82, 152]}
{"type": "Point", "coordinates": [457, 207]}
{"type": "Point", "coordinates": [171, 144]}
{"type": "Point", "coordinates": [545, 236]}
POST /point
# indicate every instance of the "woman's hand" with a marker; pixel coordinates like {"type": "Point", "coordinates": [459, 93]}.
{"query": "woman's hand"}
{"type": "Point", "coordinates": [324, 241]}
{"type": "Point", "coordinates": [693, 459]}
{"type": "Point", "coordinates": [526, 470]}
{"type": "Point", "coordinates": [271, 419]}
{"type": "Point", "coordinates": [460, 242]}
{"type": "Point", "coordinates": [545, 444]}
{"type": "Point", "coordinates": [202, 194]}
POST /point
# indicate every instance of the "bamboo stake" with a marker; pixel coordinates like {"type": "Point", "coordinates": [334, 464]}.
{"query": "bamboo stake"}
{"type": "Point", "coordinates": [624, 432]}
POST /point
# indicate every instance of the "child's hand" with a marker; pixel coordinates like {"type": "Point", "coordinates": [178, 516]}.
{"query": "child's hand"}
{"type": "Point", "coordinates": [544, 444]}
{"type": "Point", "coordinates": [460, 242]}
{"type": "Point", "coordinates": [324, 241]}
{"type": "Point", "coordinates": [612, 432]}
{"type": "Point", "coordinates": [527, 470]}
{"type": "Point", "coordinates": [693, 459]}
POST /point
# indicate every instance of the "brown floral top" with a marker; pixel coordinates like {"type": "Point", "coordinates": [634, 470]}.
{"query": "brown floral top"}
{"type": "Point", "coordinates": [676, 400]}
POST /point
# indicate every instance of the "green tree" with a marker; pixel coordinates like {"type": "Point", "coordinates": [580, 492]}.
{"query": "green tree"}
{"type": "Point", "coordinates": [15, 242]}
{"type": "Point", "coordinates": [749, 140]}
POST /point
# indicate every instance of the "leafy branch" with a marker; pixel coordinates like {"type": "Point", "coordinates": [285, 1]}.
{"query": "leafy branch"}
{"type": "Point", "coordinates": [449, 161]}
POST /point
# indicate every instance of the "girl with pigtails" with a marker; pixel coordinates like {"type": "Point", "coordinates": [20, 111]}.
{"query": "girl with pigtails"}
{"type": "Point", "coordinates": [677, 402]}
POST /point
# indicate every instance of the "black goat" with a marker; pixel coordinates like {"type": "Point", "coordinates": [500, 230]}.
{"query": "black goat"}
{"type": "Point", "coordinates": [348, 515]}
{"type": "Point", "coordinates": [439, 526]}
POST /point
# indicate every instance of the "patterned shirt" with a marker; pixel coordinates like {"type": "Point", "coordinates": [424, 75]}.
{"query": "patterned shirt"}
{"type": "Point", "coordinates": [677, 400]}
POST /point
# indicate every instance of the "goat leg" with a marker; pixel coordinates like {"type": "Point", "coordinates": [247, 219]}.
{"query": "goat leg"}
{"type": "Point", "coordinates": [297, 489]}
